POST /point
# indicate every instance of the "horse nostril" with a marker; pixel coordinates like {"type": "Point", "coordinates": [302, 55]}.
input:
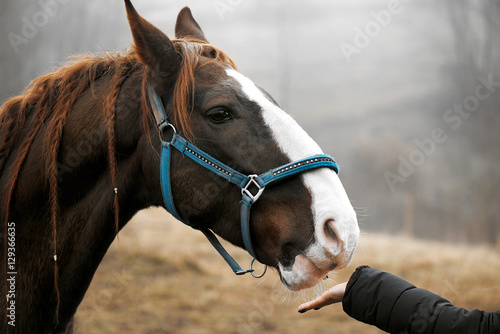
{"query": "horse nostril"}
{"type": "Point", "coordinates": [330, 234]}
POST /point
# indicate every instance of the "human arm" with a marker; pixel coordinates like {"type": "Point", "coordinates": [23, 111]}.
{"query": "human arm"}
{"type": "Point", "coordinates": [396, 306]}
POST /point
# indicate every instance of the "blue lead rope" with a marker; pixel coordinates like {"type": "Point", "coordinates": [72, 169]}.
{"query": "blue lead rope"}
{"type": "Point", "coordinates": [246, 183]}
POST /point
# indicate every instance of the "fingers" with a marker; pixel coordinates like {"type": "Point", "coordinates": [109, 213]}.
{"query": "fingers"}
{"type": "Point", "coordinates": [317, 303]}
{"type": "Point", "coordinates": [330, 296]}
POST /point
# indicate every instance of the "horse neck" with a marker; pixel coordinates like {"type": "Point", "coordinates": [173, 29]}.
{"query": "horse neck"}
{"type": "Point", "coordinates": [86, 216]}
{"type": "Point", "coordinates": [137, 162]}
{"type": "Point", "coordinates": [85, 171]}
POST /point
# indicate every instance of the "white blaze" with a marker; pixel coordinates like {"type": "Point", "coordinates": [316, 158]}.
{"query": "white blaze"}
{"type": "Point", "coordinates": [329, 199]}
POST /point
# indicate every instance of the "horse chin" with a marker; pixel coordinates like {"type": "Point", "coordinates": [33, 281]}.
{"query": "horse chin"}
{"type": "Point", "coordinates": [303, 274]}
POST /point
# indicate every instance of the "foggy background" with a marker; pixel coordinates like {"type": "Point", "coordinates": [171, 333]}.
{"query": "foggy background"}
{"type": "Point", "coordinates": [404, 94]}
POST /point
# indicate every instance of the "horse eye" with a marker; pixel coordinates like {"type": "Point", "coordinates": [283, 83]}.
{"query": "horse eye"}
{"type": "Point", "coordinates": [219, 115]}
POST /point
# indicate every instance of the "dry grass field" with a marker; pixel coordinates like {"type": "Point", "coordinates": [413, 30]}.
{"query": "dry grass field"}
{"type": "Point", "coordinates": [163, 277]}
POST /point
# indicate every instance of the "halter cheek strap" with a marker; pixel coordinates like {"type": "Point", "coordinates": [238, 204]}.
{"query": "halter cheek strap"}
{"type": "Point", "coordinates": [252, 186]}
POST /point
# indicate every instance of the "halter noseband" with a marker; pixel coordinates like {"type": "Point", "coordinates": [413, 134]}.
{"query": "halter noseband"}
{"type": "Point", "coordinates": [247, 183]}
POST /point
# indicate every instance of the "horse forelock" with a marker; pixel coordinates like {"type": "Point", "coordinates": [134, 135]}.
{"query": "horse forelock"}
{"type": "Point", "coordinates": [192, 51]}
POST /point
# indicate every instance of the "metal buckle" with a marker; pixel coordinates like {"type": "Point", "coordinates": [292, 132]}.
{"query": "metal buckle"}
{"type": "Point", "coordinates": [251, 182]}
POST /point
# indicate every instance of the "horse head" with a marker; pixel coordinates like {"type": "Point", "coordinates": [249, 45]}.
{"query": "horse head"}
{"type": "Point", "coordinates": [305, 225]}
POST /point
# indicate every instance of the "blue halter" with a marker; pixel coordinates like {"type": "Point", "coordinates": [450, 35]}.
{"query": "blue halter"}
{"type": "Point", "coordinates": [251, 186]}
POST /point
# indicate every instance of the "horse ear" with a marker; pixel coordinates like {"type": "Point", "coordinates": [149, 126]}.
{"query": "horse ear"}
{"type": "Point", "coordinates": [187, 26]}
{"type": "Point", "coordinates": [153, 47]}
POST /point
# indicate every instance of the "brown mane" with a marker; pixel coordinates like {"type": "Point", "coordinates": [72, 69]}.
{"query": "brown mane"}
{"type": "Point", "coordinates": [49, 100]}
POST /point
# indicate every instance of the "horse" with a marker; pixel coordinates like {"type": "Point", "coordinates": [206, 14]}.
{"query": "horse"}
{"type": "Point", "coordinates": [87, 146]}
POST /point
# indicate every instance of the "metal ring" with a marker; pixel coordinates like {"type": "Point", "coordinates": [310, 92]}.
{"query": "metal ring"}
{"type": "Point", "coordinates": [253, 272]}
{"type": "Point", "coordinates": [162, 128]}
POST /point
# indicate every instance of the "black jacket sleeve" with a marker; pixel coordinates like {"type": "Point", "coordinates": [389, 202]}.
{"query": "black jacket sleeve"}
{"type": "Point", "coordinates": [396, 306]}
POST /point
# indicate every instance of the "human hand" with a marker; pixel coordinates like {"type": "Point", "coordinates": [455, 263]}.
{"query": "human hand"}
{"type": "Point", "coordinates": [330, 296]}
